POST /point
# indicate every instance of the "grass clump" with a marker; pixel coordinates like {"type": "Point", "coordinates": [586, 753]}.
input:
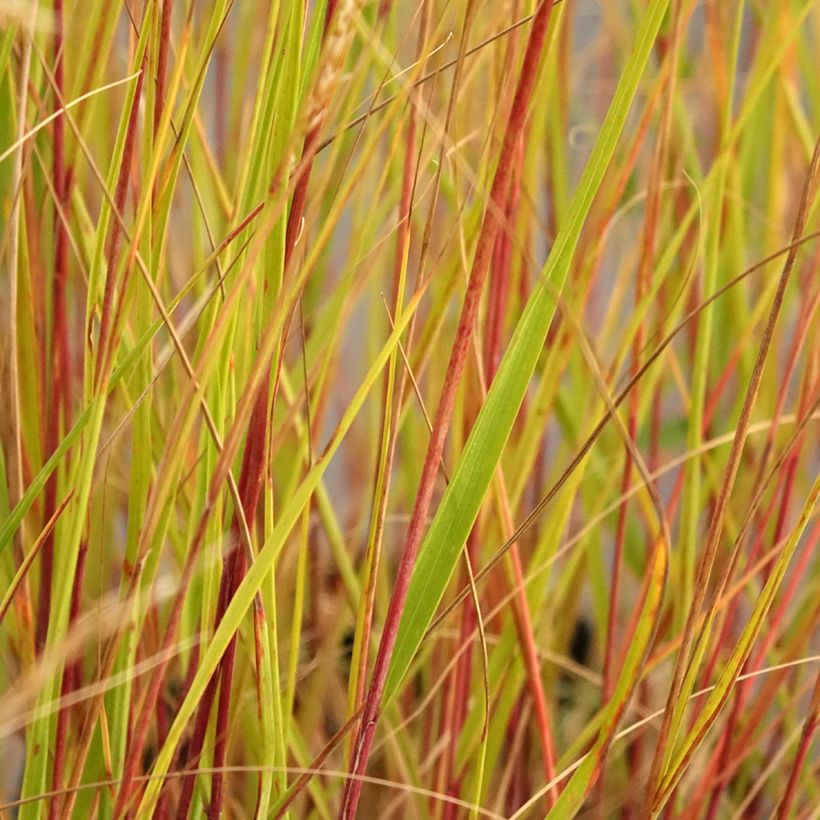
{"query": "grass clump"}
{"type": "Point", "coordinates": [409, 409]}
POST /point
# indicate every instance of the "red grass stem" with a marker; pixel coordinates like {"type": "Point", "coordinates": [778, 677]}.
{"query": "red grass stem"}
{"type": "Point", "coordinates": [469, 311]}
{"type": "Point", "coordinates": [60, 392]}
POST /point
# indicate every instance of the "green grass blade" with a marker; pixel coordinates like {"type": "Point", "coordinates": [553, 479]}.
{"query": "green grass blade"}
{"type": "Point", "coordinates": [459, 507]}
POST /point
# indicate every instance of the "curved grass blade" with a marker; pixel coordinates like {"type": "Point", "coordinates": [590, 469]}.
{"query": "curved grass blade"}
{"type": "Point", "coordinates": [263, 564]}
{"type": "Point", "coordinates": [441, 548]}
{"type": "Point", "coordinates": [723, 689]}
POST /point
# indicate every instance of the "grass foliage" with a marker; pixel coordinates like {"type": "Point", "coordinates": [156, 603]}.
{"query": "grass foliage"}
{"type": "Point", "coordinates": [409, 409]}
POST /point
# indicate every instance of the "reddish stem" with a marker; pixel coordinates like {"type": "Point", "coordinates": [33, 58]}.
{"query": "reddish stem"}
{"type": "Point", "coordinates": [499, 289]}
{"type": "Point", "coordinates": [140, 730]}
{"type": "Point", "coordinates": [812, 722]}
{"type": "Point", "coordinates": [253, 466]}
{"type": "Point", "coordinates": [408, 186]}
{"type": "Point", "coordinates": [726, 756]}
{"type": "Point", "coordinates": [162, 61]}
{"type": "Point", "coordinates": [115, 237]}
{"type": "Point", "coordinates": [60, 353]}
{"type": "Point", "coordinates": [71, 681]}
{"type": "Point", "coordinates": [435, 450]}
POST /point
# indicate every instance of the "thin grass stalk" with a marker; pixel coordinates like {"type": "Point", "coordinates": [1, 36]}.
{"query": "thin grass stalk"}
{"type": "Point", "coordinates": [725, 748]}
{"type": "Point", "coordinates": [337, 34]}
{"type": "Point", "coordinates": [642, 286]}
{"type": "Point", "coordinates": [481, 261]}
{"type": "Point", "coordinates": [454, 708]}
{"type": "Point", "coordinates": [167, 321]}
{"type": "Point", "coordinates": [765, 696]}
{"type": "Point", "coordinates": [500, 275]}
{"type": "Point", "coordinates": [809, 728]}
{"type": "Point", "coordinates": [116, 212]}
{"type": "Point", "coordinates": [108, 308]}
{"type": "Point", "coordinates": [716, 524]}
{"type": "Point", "coordinates": [9, 358]}
{"type": "Point", "coordinates": [782, 492]}
{"type": "Point", "coordinates": [702, 345]}
{"type": "Point", "coordinates": [142, 723]}
{"type": "Point", "coordinates": [271, 549]}
{"type": "Point", "coordinates": [72, 679]}
{"type": "Point", "coordinates": [22, 572]}
{"type": "Point", "coordinates": [162, 61]}
{"type": "Point", "coordinates": [60, 382]}
{"type": "Point", "coordinates": [722, 691]}
{"type": "Point", "coordinates": [135, 750]}
{"type": "Point", "coordinates": [618, 400]}
{"type": "Point", "coordinates": [231, 443]}
{"type": "Point", "coordinates": [387, 445]}
{"type": "Point", "coordinates": [148, 450]}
